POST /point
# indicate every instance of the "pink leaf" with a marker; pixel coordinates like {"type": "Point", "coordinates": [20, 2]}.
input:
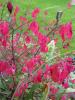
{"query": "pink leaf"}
{"type": "Point", "coordinates": [35, 12]}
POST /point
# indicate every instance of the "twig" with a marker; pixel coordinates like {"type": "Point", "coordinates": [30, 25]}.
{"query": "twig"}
{"type": "Point", "coordinates": [2, 11]}
{"type": "Point", "coordinates": [3, 93]}
{"type": "Point", "coordinates": [13, 48]}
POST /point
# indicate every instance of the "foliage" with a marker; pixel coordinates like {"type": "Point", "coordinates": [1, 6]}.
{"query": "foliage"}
{"type": "Point", "coordinates": [31, 66]}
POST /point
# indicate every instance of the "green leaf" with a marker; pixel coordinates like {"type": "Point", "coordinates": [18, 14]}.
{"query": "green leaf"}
{"type": "Point", "coordinates": [2, 85]}
{"type": "Point", "coordinates": [30, 93]}
{"type": "Point", "coordinates": [44, 95]}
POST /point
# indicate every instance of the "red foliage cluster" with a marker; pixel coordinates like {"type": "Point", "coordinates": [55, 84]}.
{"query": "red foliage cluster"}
{"type": "Point", "coordinates": [22, 46]}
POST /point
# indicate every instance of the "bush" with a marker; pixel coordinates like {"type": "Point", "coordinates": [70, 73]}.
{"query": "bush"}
{"type": "Point", "coordinates": [31, 66]}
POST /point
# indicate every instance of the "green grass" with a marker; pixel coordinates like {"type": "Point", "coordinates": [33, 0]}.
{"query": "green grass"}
{"type": "Point", "coordinates": [52, 6]}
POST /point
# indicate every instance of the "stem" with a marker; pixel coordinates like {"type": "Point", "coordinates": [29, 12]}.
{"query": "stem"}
{"type": "Point", "coordinates": [17, 88]}
{"type": "Point", "coordinates": [37, 52]}
{"type": "Point", "coordinates": [13, 49]}
{"type": "Point", "coordinates": [14, 78]}
{"type": "Point", "coordinates": [19, 27]}
{"type": "Point", "coordinates": [12, 36]}
{"type": "Point", "coordinates": [47, 92]}
{"type": "Point", "coordinates": [2, 11]}
{"type": "Point", "coordinates": [3, 93]}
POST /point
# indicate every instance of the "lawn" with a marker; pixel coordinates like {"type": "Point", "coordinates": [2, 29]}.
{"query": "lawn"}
{"type": "Point", "coordinates": [52, 6]}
